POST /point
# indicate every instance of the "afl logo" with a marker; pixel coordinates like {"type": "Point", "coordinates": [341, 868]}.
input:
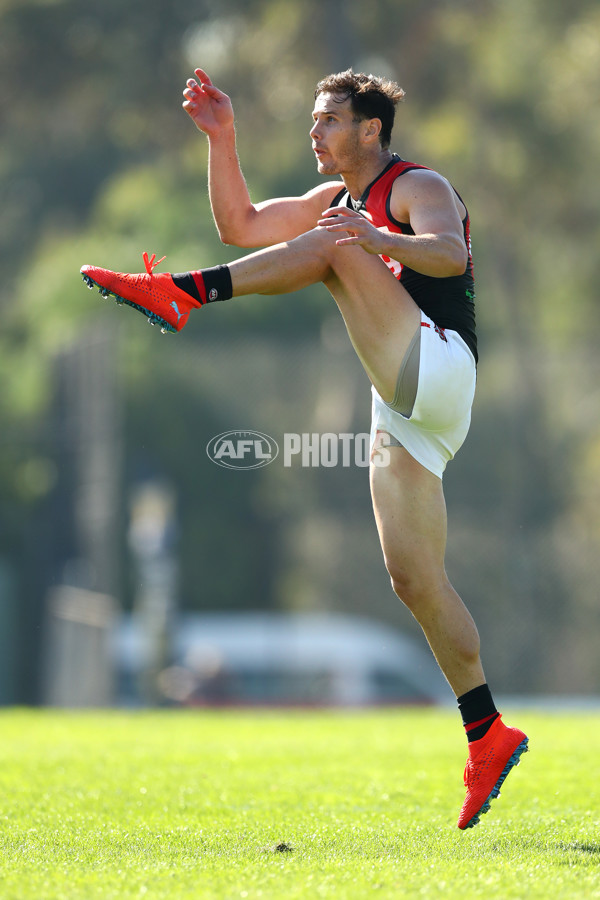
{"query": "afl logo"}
{"type": "Point", "coordinates": [242, 449]}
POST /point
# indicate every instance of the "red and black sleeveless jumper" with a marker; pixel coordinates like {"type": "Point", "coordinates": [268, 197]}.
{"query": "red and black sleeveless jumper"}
{"type": "Point", "coordinates": [449, 302]}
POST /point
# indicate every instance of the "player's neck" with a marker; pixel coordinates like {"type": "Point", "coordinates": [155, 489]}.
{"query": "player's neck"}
{"type": "Point", "coordinates": [366, 171]}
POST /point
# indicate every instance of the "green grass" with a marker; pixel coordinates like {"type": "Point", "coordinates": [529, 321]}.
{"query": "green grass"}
{"type": "Point", "coordinates": [193, 805]}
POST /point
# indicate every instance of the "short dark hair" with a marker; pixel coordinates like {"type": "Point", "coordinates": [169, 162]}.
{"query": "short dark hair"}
{"type": "Point", "coordinates": [371, 97]}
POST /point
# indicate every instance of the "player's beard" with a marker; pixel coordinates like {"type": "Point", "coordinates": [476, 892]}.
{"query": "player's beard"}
{"type": "Point", "coordinates": [347, 157]}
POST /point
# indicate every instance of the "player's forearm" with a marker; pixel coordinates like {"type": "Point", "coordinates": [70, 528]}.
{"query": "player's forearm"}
{"type": "Point", "coordinates": [436, 255]}
{"type": "Point", "coordinates": [228, 192]}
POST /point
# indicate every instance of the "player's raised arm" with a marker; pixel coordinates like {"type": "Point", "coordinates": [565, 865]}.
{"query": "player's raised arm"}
{"type": "Point", "coordinates": [238, 220]}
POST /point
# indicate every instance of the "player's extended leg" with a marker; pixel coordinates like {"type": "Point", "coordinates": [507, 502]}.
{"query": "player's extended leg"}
{"type": "Point", "coordinates": [380, 315]}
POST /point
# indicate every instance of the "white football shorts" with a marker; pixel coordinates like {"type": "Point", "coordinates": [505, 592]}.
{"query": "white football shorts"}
{"type": "Point", "coordinates": [441, 414]}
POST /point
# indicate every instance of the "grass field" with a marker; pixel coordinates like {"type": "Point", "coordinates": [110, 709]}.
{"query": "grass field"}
{"type": "Point", "coordinates": [289, 805]}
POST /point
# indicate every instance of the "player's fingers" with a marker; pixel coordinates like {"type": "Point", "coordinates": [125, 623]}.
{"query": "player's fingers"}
{"type": "Point", "coordinates": [202, 76]}
{"type": "Point", "coordinates": [341, 225]}
{"type": "Point", "coordinates": [340, 211]}
{"type": "Point", "coordinates": [212, 91]}
{"type": "Point", "coordinates": [332, 225]}
{"type": "Point", "coordinates": [332, 222]}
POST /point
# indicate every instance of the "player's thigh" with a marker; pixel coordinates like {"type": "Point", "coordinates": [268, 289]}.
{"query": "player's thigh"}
{"type": "Point", "coordinates": [362, 281]}
{"type": "Point", "coordinates": [410, 511]}
{"type": "Point", "coordinates": [380, 315]}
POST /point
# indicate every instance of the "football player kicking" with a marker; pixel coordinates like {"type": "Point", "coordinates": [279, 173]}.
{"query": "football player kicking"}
{"type": "Point", "coordinates": [390, 241]}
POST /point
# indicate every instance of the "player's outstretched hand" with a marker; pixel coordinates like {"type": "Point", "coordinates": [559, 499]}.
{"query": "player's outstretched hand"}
{"type": "Point", "coordinates": [353, 228]}
{"type": "Point", "coordinates": [206, 105]}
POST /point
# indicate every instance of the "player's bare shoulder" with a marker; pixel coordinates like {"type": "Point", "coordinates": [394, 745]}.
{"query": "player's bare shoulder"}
{"type": "Point", "coordinates": [422, 188]}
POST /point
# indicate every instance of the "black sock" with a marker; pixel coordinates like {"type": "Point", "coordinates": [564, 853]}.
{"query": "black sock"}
{"type": "Point", "coordinates": [478, 711]}
{"type": "Point", "coordinates": [206, 285]}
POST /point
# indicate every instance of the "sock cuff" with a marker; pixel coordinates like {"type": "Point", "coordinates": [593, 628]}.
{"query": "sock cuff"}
{"type": "Point", "coordinates": [206, 285]}
{"type": "Point", "coordinates": [476, 705]}
{"type": "Point", "coordinates": [216, 282]}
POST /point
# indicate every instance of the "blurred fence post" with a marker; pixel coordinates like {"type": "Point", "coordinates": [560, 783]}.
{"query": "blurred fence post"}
{"type": "Point", "coordinates": [152, 534]}
{"type": "Point", "coordinates": [77, 667]}
{"type": "Point", "coordinates": [78, 664]}
{"type": "Point", "coordinates": [9, 628]}
{"type": "Point", "coordinates": [88, 424]}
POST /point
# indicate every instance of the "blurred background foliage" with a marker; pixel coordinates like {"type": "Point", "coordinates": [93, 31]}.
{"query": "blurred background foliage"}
{"type": "Point", "coordinates": [98, 162]}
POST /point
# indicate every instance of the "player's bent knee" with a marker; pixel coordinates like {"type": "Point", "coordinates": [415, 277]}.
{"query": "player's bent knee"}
{"type": "Point", "coordinates": [324, 248]}
{"type": "Point", "coordinates": [320, 242]}
{"type": "Point", "coordinates": [326, 241]}
{"type": "Point", "coordinates": [416, 589]}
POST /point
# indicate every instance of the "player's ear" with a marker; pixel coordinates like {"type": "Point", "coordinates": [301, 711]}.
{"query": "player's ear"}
{"type": "Point", "coordinates": [372, 129]}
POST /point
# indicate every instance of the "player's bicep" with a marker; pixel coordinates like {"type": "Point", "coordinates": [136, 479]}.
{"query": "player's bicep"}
{"type": "Point", "coordinates": [285, 218]}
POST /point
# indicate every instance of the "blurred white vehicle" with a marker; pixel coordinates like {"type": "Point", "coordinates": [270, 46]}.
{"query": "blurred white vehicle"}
{"type": "Point", "coordinates": [279, 659]}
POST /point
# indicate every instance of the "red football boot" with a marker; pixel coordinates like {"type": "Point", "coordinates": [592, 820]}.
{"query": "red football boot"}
{"type": "Point", "coordinates": [157, 296]}
{"type": "Point", "coordinates": [490, 760]}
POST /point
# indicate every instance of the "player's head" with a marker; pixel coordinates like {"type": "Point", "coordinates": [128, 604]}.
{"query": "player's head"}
{"type": "Point", "coordinates": [371, 97]}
